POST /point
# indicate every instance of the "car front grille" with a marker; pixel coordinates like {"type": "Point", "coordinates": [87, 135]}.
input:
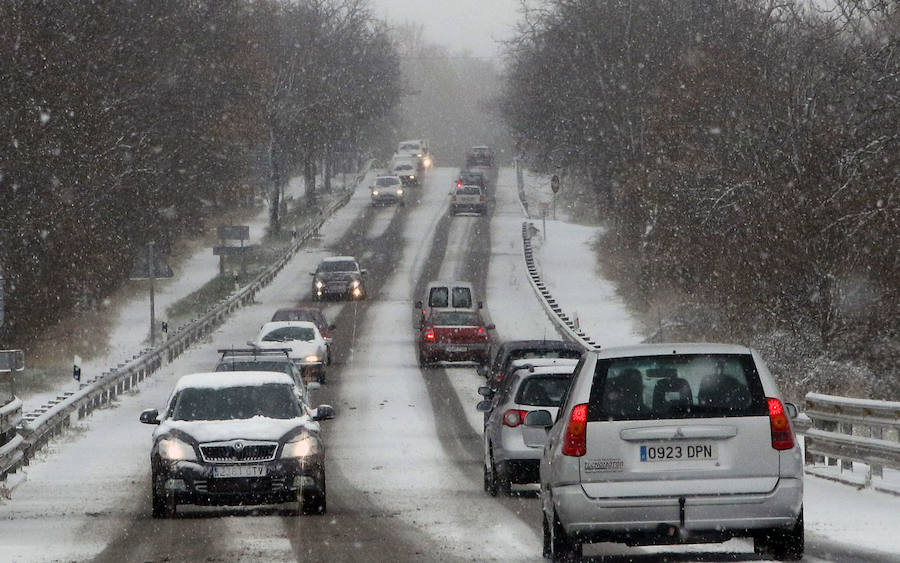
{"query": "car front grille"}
{"type": "Point", "coordinates": [259, 485]}
{"type": "Point", "coordinates": [238, 451]}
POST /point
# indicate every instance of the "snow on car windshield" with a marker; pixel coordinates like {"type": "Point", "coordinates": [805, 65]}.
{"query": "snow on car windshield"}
{"type": "Point", "coordinates": [271, 400]}
{"type": "Point", "coordinates": [287, 333]}
{"type": "Point", "coordinates": [338, 266]}
{"type": "Point", "coordinates": [388, 181]}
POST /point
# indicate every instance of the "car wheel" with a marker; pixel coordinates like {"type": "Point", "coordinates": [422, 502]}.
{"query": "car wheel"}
{"type": "Point", "coordinates": [164, 504]}
{"type": "Point", "coordinates": [314, 502]}
{"type": "Point", "coordinates": [321, 375]}
{"type": "Point", "coordinates": [562, 547]}
{"type": "Point", "coordinates": [784, 545]}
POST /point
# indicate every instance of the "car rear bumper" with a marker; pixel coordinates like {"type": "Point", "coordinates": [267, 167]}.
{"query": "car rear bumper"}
{"type": "Point", "coordinates": [193, 483]}
{"type": "Point", "coordinates": [469, 208]}
{"type": "Point", "coordinates": [455, 352]}
{"type": "Point", "coordinates": [643, 519]}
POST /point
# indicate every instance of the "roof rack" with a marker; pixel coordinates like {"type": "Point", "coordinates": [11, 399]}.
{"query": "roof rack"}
{"type": "Point", "coordinates": [226, 352]}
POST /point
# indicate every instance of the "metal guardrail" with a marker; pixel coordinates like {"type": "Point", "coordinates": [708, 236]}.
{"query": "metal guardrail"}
{"type": "Point", "coordinates": [52, 419]}
{"type": "Point", "coordinates": [841, 430]}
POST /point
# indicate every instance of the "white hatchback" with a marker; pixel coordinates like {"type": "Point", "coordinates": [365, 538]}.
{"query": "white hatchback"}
{"type": "Point", "coordinates": [671, 444]}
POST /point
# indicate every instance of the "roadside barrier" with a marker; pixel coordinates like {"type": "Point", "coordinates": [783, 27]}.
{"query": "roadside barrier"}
{"type": "Point", "coordinates": [38, 427]}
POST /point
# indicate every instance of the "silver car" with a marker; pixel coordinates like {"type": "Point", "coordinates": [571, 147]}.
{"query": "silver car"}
{"type": "Point", "coordinates": [512, 451]}
{"type": "Point", "coordinates": [670, 444]}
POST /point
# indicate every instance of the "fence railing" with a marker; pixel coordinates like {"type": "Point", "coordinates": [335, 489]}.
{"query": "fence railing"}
{"type": "Point", "coordinates": [52, 419]}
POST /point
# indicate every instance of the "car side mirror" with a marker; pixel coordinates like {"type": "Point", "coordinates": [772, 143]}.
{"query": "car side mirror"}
{"type": "Point", "coordinates": [364, 272]}
{"type": "Point", "coordinates": [481, 304]}
{"type": "Point", "coordinates": [539, 418]}
{"type": "Point", "coordinates": [483, 406]}
{"type": "Point", "coordinates": [792, 410]}
{"type": "Point", "coordinates": [491, 326]}
{"type": "Point", "coordinates": [251, 344]}
{"type": "Point", "coordinates": [485, 391]}
{"type": "Point", "coordinates": [150, 416]}
{"type": "Point", "coordinates": [324, 412]}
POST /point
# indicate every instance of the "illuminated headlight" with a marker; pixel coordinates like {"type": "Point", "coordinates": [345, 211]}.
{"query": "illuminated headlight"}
{"type": "Point", "coordinates": [354, 283]}
{"type": "Point", "coordinates": [320, 284]}
{"type": "Point", "coordinates": [399, 191]}
{"type": "Point", "coordinates": [427, 162]}
{"type": "Point", "coordinates": [357, 292]}
{"type": "Point", "coordinates": [374, 192]}
{"type": "Point", "coordinates": [311, 358]}
{"type": "Point", "coordinates": [419, 155]}
{"type": "Point", "coordinates": [173, 449]}
{"type": "Point", "coordinates": [304, 446]}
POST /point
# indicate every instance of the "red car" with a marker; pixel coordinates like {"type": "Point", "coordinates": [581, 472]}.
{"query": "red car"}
{"type": "Point", "coordinates": [453, 336]}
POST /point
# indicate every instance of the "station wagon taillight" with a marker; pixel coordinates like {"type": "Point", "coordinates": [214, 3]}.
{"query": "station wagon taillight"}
{"type": "Point", "coordinates": [782, 437]}
{"type": "Point", "coordinates": [514, 417]}
{"type": "Point", "coordinates": [429, 334]}
{"type": "Point", "coordinates": [575, 440]}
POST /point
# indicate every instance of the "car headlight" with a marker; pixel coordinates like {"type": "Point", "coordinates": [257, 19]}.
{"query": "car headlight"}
{"type": "Point", "coordinates": [311, 358]}
{"type": "Point", "coordinates": [320, 284]}
{"type": "Point", "coordinates": [354, 283]}
{"type": "Point", "coordinates": [173, 449]}
{"type": "Point", "coordinates": [374, 192]}
{"type": "Point", "coordinates": [303, 446]}
{"type": "Point", "coordinates": [399, 191]}
{"type": "Point", "coordinates": [427, 162]}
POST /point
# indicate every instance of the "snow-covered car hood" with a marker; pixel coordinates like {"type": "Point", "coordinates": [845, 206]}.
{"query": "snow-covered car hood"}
{"type": "Point", "coordinates": [299, 348]}
{"type": "Point", "coordinates": [256, 428]}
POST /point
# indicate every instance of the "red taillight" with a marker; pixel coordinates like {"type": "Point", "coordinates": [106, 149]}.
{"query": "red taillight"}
{"type": "Point", "coordinates": [514, 417]}
{"type": "Point", "coordinates": [782, 437]}
{"type": "Point", "coordinates": [429, 334]}
{"type": "Point", "coordinates": [483, 198]}
{"type": "Point", "coordinates": [459, 184]}
{"type": "Point", "coordinates": [481, 330]}
{"type": "Point", "coordinates": [575, 440]}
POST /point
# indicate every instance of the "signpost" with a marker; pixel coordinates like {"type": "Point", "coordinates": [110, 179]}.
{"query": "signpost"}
{"type": "Point", "coordinates": [232, 232]}
{"type": "Point", "coordinates": [554, 187]}
{"type": "Point", "coordinates": [151, 266]}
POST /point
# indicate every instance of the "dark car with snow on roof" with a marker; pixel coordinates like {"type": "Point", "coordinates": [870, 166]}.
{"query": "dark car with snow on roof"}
{"type": "Point", "coordinates": [339, 276]}
{"type": "Point", "coordinates": [237, 438]}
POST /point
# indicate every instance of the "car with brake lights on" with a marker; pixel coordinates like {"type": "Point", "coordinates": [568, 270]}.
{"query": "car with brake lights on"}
{"type": "Point", "coordinates": [307, 348]}
{"type": "Point", "coordinates": [512, 451]}
{"type": "Point", "coordinates": [468, 199]}
{"type": "Point", "coordinates": [387, 190]}
{"type": "Point", "coordinates": [471, 178]}
{"type": "Point", "coordinates": [671, 444]}
{"type": "Point", "coordinates": [339, 276]}
{"type": "Point", "coordinates": [453, 336]}
{"type": "Point", "coordinates": [237, 439]}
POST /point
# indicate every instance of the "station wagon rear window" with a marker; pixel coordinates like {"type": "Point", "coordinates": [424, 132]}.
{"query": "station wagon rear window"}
{"type": "Point", "coordinates": [539, 391]}
{"type": "Point", "coordinates": [676, 386]}
{"type": "Point", "coordinates": [456, 318]}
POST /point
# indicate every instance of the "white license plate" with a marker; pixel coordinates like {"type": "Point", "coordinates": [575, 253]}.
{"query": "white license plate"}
{"type": "Point", "coordinates": [225, 471]}
{"type": "Point", "coordinates": [456, 348]}
{"type": "Point", "coordinates": [679, 452]}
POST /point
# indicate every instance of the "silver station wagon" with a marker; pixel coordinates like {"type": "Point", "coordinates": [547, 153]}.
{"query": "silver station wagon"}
{"type": "Point", "coordinates": [670, 444]}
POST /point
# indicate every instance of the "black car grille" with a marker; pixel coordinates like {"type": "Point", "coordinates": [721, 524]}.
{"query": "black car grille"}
{"type": "Point", "coordinates": [242, 485]}
{"type": "Point", "coordinates": [238, 451]}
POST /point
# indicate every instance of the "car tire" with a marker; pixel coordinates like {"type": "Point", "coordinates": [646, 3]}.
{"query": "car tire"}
{"type": "Point", "coordinates": [321, 376]}
{"type": "Point", "coordinates": [164, 504]}
{"type": "Point", "coordinates": [784, 545]}
{"type": "Point", "coordinates": [314, 503]}
{"type": "Point", "coordinates": [562, 547]}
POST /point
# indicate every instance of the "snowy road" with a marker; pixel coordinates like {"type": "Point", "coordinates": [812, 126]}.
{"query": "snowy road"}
{"type": "Point", "coordinates": [404, 468]}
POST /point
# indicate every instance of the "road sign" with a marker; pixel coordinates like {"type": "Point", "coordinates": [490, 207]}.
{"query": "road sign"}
{"type": "Point", "coordinates": [554, 183]}
{"type": "Point", "coordinates": [11, 360]}
{"type": "Point", "coordinates": [234, 232]}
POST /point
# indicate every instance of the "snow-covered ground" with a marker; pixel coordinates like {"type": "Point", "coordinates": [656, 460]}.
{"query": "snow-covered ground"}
{"type": "Point", "coordinates": [386, 441]}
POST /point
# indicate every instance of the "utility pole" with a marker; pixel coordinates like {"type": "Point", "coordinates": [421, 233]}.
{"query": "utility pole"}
{"type": "Point", "coordinates": [152, 268]}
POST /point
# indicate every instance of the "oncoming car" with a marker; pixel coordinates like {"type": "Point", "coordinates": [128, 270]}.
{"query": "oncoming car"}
{"type": "Point", "coordinates": [671, 443]}
{"type": "Point", "coordinates": [387, 189]}
{"type": "Point", "coordinates": [339, 276]}
{"type": "Point", "coordinates": [307, 348]}
{"type": "Point", "coordinates": [237, 438]}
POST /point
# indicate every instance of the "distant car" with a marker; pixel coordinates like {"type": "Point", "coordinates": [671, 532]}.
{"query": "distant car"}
{"type": "Point", "coordinates": [452, 335]}
{"type": "Point", "coordinates": [237, 438]}
{"type": "Point", "coordinates": [387, 190]}
{"type": "Point", "coordinates": [503, 355]}
{"type": "Point", "coordinates": [262, 359]}
{"type": "Point", "coordinates": [468, 199]}
{"type": "Point", "coordinates": [308, 314]}
{"type": "Point", "coordinates": [447, 295]}
{"type": "Point", "coordinates": [339, 276]}
{"type": "Point", "coordinates": [417, 148]}
{"type": "Point", "coordinates": [512, 451]}
{"type": "Point", "coordinates": [471, 178]}
{"type": "Point", "coordinates": [671, 444]}
{"type": "Point", "coordinates": [480, 155]}
{"type": "Point", "coordinates": [307, 347]}
{"type": "Point", "coordinates": [407, 169]}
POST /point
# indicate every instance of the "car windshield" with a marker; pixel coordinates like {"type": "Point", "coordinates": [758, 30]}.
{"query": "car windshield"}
{"type": "Point", "coordinates": [661, 387]}
{"type": "Point", "coordinates": [233, 403]}
{"type": "Point", "coordinates": [404, 166]}
{"type": "Point", "coordinates": [468, 190]}
{"type": "Point", "coordinates": [455, 318]}
{"type": "Point", "coordinates": [338, 266]}
{"type": "Point", "coordinates": [409, 147]}
{"type": "Point", "coordinates": [287, 333]}
{"type": "Point", "coordinates": [386, 182]}
{"type": "Point", "coordinates": [542, 391]}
